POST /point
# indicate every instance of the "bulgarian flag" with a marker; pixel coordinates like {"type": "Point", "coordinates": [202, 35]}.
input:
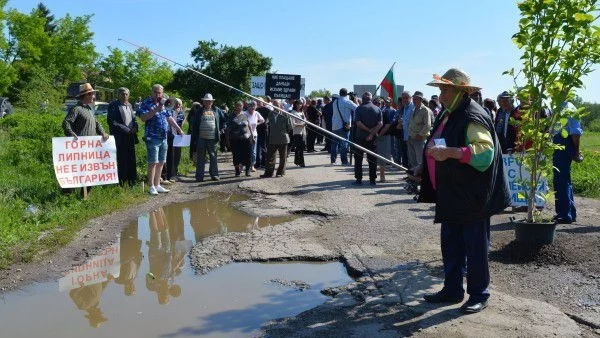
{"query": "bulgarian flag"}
{"type": "Point", "coordinates": [389, 84]}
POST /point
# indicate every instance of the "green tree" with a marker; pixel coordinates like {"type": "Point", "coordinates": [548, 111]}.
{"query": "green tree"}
{"type": "Point", "coordinates": [8, 75]}
{"type": "Point", "coordinates": [232, 65]}
{"type": "Point", "coordinates": [44, 12]}
{"type": "Point", "coordinates": [320, 93]}
{"type": "Point", "coordinates": [560, 45]}
{"type": "Point", "coordinates": [34, 44]}
{"type": "Point", "coordinates": [137, 71]}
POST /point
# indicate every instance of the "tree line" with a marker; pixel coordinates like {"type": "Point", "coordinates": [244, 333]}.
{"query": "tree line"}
{"type": "Point", "coordinates": [40, 55]}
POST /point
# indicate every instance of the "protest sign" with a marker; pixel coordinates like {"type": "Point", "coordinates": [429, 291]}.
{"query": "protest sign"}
{"type": "Point", "coordinates": [257, 86]}
{"type": "Point", "coordinates": [282, 86]}
{"type": "Point", "coordinates": [85, 162]}
{"type": "Point", "coordinates": [96, 270]}
{"type": "Point", "coordinates": [182, 141]}
{"type": "Point", "coordinates": [514, 174]}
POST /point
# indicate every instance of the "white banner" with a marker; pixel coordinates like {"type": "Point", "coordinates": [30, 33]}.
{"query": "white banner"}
{"type": "Point", "coordinates": [514, 173]}
{"type": "Point", "coordinates": [182, 141]}
{"type": "Point", "coordinates": [84, 162]}
{"type": "Point", "coordinates": [96, 270]}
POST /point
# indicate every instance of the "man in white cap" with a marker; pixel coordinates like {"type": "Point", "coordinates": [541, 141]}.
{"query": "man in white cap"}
{"type": "Point", "coordinates": [462, 174]}
{"type": "Point", "coordinates": [205, 137]}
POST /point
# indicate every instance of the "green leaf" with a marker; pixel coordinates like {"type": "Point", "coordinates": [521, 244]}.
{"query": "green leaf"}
{"type": "Point", "coordinates": [564, 133]}
{"type": "Point", "coordinates": [583, 17]}
{"type": "Point", "coordinates": [520, 195]}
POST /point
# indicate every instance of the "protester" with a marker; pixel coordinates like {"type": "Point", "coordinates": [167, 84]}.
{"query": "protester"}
{"type": "Point", "coordinates": [170, 170]}
{"type": "Point", "coordinates": [223, 114]}
{"type": "Point", "coordinates": [262, 132]}
{"type": "Point", "coordinates": [190, 119]}
{"type": "Point", "coordinates": [462, 174]}
{"type": "Point", "coordinates": [368, 122]}
{"type": "Point", "coordinates": [80, 120]}
{"type": "Point", "coordinates": [313, 115]}
{"type": "Point", "coordinates": [206, 133]}
{"type": "Point", "coordinates": [299, 128]}
{"type": "Point", "coordinates": [321, 123]}
{"type": "Point", "coordinates": [384, 140]}
{"type": "Point", "coordinates": [255, 119]}
{"type": "Point", "coordinates": [279, 128]}
{"type": "Point", "coordinates": [327, 117]}
{"type": "Point", "coordinates": [341, 123]}
{"type": "Point", "coordinates": [490, 105]}
{"type": "Point", "coordinates": [418, 130]}
{"type": "Point", "coordinates": [157, 120]}
{"type": "Point", "coordinates": [566, 213]}
{"type": "Point", "coordinates": [397, 133]}
{"type": "Point", "coordinates": [406, 115]}
{"type": "Point", "coordinates": [123, 126]}
{"type": "Point", "coordinates": [508, 133]}
{"type": "Point", "coordinates": [240, 137]}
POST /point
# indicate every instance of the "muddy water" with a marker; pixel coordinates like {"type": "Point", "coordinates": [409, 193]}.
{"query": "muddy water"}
{"type": "Point", "coordinates": [143, 285]}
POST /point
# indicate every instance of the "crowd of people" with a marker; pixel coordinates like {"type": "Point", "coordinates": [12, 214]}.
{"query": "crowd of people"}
{"type": "Point", "coordinates": [450, 145]}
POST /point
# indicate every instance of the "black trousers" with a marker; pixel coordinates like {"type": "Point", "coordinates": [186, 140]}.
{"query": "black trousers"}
{"type": "Point", "coordinates": [261, 147]}
{"type": "Point", "coordinates": [311, 138]}
{"type": "Point", "coordinates": [298, 149]}
{"type": "Point", "coordinates": [170, 169]}
{"type": "Point", "coordinates": [242, 152]}
{"type": "Point", "coordinates": [126, 161]}
{"type": "Point", "coordinates": [358, 159]}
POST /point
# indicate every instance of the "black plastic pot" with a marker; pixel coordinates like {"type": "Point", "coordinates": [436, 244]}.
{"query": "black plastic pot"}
{"type": "Point", "coordinates": [534, 233]}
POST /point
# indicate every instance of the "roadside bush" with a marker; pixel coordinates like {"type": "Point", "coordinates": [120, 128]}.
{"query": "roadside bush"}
{"type": "Point", "coordinates": [594, 126]}
{"type": "Point", "coordinates": [586, 175]}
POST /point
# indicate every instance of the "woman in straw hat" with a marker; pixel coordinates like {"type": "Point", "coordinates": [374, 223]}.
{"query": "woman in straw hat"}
{"type": "Point", "coordinates": [462, 174]}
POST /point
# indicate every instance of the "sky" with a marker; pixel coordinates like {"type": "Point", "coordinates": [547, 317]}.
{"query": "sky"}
{"type": "Point", "coordinates": [331, 43]}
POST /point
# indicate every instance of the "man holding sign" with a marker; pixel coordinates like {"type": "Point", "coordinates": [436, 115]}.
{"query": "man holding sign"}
{"type": "Point", "coordinates": [80, 120]}
{"type": "Point", "coordinates": [157, 119]}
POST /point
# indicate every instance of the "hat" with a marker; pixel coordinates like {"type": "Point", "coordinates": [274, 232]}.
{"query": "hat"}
{"type": "Point", "coordinates": [435, 97]}
{"type": "Point", "coordinates": [505, 94]}
{"type": "Point", "coordinates": [208, 97]}
{"type": "Point", "coordinates": [456, 78]}
{"type": "Point", "coordinates": [418, 94]}
{"type": "Point", "coordinates": [85, 89]}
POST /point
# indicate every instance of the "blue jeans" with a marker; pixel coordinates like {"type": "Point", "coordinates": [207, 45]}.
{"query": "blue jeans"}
{"type": "Point", "coordinates": [466, 244]}
{"type": "Point", "coordinates": [342, 147]}
{"type": "Point", "coordinates": [253, 159]}
{"type": "Point", "coordinates": [205, 146]}
{"type": "Point", "coordinates": [157, 150]}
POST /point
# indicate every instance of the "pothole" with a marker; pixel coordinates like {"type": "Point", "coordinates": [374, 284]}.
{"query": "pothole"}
{"type": "Point", "coordinates": [147, 275]}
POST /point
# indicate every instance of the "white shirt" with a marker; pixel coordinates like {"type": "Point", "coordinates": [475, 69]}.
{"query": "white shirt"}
{"type": "Point", "coordinates": [297, 125]}
{"type": "Point", "coordinates": [346, 109]}
{"type": "Point", "coordinates": [253, 120]}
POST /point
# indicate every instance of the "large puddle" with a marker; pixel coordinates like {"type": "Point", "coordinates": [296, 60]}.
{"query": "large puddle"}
{"type": "Point", "coordinates": [143, 285]}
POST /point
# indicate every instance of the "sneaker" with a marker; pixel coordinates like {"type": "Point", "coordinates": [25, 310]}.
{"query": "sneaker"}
{"type": "Point", "coordinates": [161, 189]}
{"type": "Point", "coordinates": [153, 191]}
{"type": "Point", "coordinates": [167, 182]}
{"type": "Point", "coordinates": [215, 178]}
{"type": "Point", "coordinates": [252, 169]}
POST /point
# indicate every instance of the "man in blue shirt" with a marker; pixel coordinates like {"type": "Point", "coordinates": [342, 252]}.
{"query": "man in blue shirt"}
{"type": "Point", "coordinates": [561, 160]}
{"type": "Point", "coordinates": [157, 120]}
{"type": "Point", "coordinates": [401, 121]}
{"type": "Point", "coordinates": [341, 122]}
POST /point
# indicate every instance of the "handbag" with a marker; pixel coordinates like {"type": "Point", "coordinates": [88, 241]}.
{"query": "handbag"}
{"type": "Point", "coordinates": [345, 124]}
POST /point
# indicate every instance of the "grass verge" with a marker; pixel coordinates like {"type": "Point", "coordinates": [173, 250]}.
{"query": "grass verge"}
{"type": "Point", "coordinates": [35, 216]}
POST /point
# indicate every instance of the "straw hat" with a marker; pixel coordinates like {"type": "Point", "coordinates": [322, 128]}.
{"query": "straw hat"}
{"type": "Point", "coordinates": [456, 78]}
{"type": "Point", "coordinates": [85, 89]}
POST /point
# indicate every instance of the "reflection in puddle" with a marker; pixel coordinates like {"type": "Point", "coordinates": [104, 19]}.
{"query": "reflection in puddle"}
{"type": "Point", "coordinates": [143, 285]}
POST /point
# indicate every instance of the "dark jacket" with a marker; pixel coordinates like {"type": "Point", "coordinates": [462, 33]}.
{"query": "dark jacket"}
{"type": "Point", "coordinates": [464, 194]}
{"type": "Point", "coordinates": [196, 126]}
{"type": "Point", "coordinates": [122, 133]}
{"type": "Point", "coordinates": [279, 128]}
